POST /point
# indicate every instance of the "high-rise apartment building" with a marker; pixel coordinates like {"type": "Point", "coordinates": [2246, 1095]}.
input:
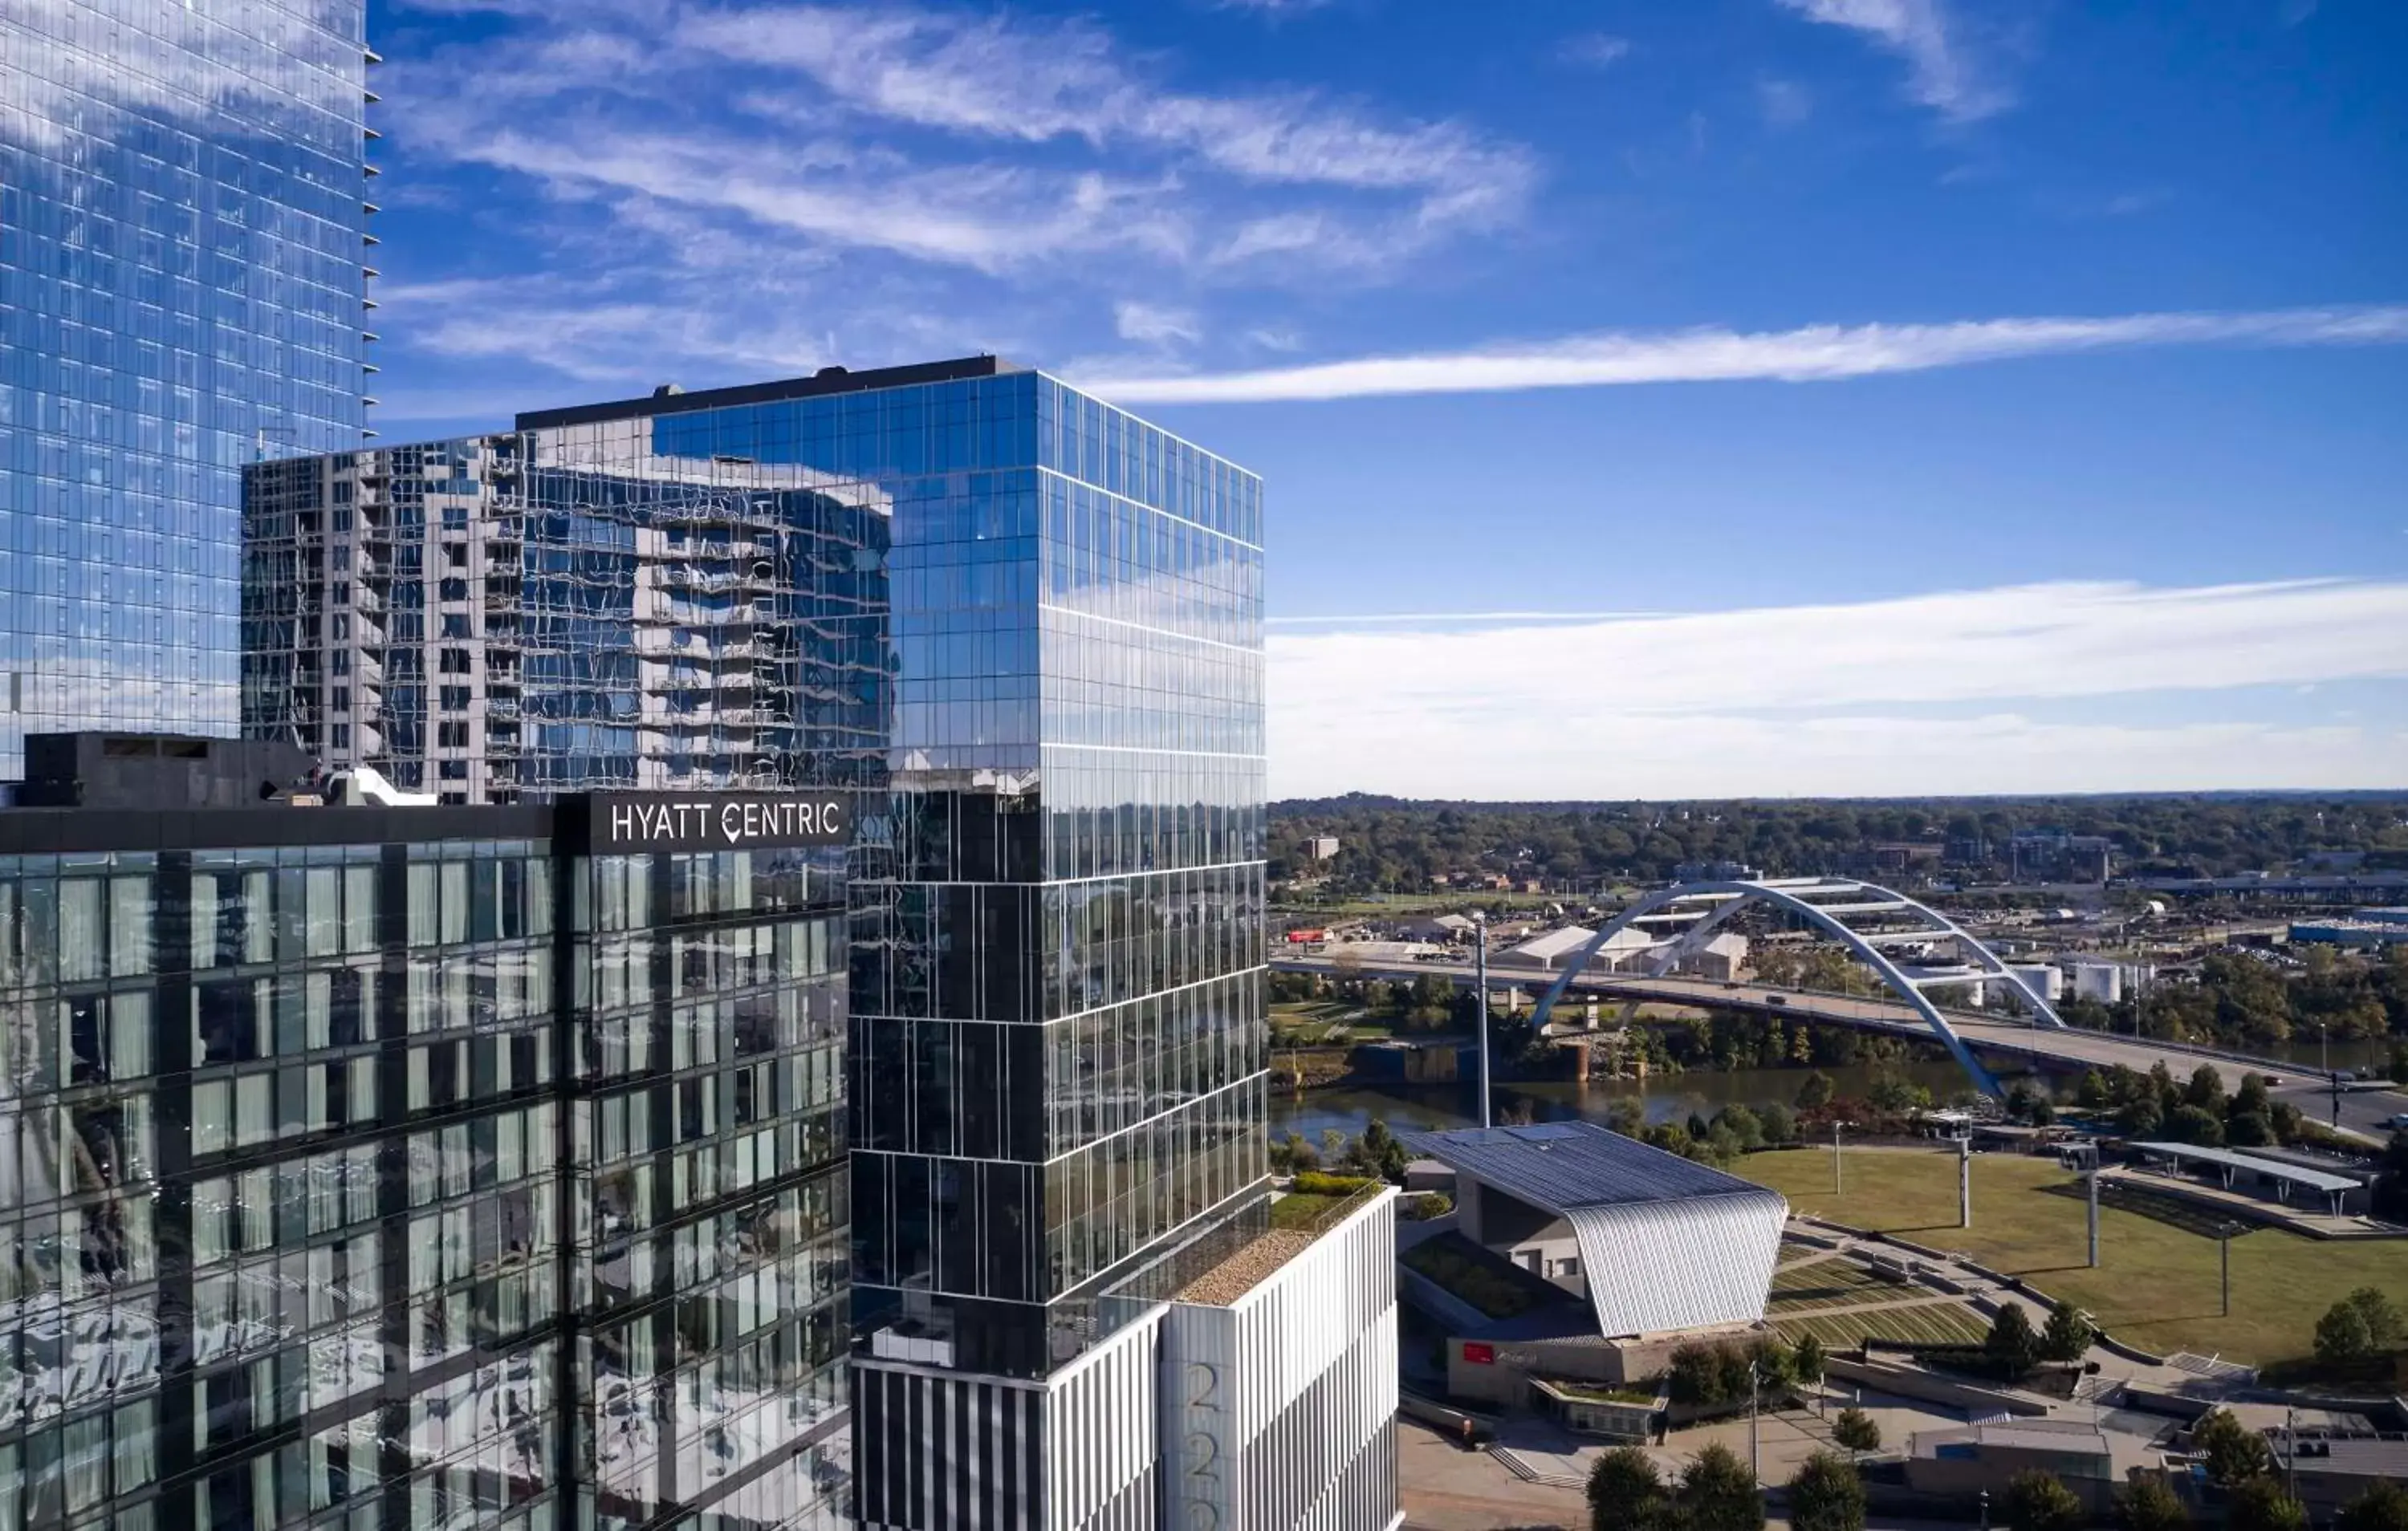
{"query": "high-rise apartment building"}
{"type": "Point", "coordinates": [566, 609]}
{"type": "Point", "coordinates": [417, 1168]}
{"type": "Point", "coordinates": [182, 217]}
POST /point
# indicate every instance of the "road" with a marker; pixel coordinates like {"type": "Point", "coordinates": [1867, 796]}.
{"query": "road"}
{"type": "Point", "coordinates": [2066, 1047]}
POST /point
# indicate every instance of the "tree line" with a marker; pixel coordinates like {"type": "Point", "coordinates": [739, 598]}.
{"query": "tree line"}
{"type": "Point", "coordinates": [1390, 844]}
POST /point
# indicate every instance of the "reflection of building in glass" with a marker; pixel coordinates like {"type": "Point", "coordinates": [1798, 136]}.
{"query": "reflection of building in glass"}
{"type": "Point", "coordinates": [374, 1167]}
{"type": "Point", "coordinates": [181, 293]}
{"type": "Point", "coordinates": [533, 612]}
{"type": "Point", "coordinates": [1032, 624]}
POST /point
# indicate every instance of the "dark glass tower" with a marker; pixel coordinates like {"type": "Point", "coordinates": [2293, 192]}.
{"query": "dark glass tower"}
{"type": "Point", "coordinates": [181, 293]}
{"type": "Point", "coordinates": [1057, 1041]}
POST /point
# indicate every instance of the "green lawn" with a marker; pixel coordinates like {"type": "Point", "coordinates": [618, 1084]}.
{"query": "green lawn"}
{"type": "Point", "coordinates": [2157, 1286]}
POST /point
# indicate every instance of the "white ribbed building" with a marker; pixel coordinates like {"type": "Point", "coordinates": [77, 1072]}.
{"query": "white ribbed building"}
{"type": "Point", "coordinates": [1657, 1244]}
{"type": "Point", "coordinates": [1262, 1399]}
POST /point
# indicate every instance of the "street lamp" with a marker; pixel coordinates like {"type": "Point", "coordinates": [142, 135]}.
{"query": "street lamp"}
{"type": "Point", "coordinates": [2324, 1054]}
{"type": "Point", "coordinates": [1479, 933]}
{"type": "Point", "coordinates": [1754, 1465]}
{"type": "Point", "coordinates": [1836, 1126]}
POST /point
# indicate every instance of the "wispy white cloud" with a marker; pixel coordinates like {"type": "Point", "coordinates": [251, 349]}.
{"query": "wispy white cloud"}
{"type": "Point", "coordinates": [1819, 353]}
{"type": "Point", "coordinates": [1594, 49]}
{"type": "Point", "coordinates": [1976, 691]}
{"type": "Point", "coordinates": [1153, 324]}
{"type": "Point", "coordinates": [732, 186]}
{"type": "Point", "coordinates": [1940, 74]}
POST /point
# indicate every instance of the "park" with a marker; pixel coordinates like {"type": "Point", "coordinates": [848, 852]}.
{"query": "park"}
{"type": "Point", "coordinates": [2158, 1284]}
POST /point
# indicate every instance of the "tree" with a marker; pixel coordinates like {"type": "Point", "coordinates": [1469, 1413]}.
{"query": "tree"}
{"type": "Point", "coordinates": [2342, 1335]}
{"type": "Point", "coordinates": [2383, 1320]}
{"type": "Point", "coordinates": [1857, 1430]}
{"type": "Point", "coordinates": [2249, 1130]}
{"type": "Point", "coordinates": [2189, 1124]}
{"type": "Point", "coordinates": [1694, 1375]}
{"type": "Point", "coordinates": [1775, 1366]}
{"type": "Point", "coordinates": [1815, 1093]}
{"type": "Point", "coordinates": [2140, 1116]}
{"type": "Point", "coordinates": [1382, 1154]}
{"type": "Point", "coordinates": [2206, 1089]}
{"type": "Point", "coordinates": [1718, 1492]}
{"type": "Point", "coordinates": [2260, 1505]}
{"type": "Point", "coordinates": [2149, 1505]}
{"type": "Point", "coordinates": [2013, 1346]}
{"type": "Point", "coordinates": [1826, 1495]}
{"type": "Point", "coordinates": [1780, 1124]}
{"type": "Point", "coordinates": [2235, 1454]}
{"type": "Point", "coordinates": [2037, 1501]}
{"type": "Point", "coordinates": [1807, 1359]}
{"type": "Point", "coordinates": [2381, 1508]}
{"type": "Point", "coordinates": [2069, 1333]}
{"type": "Point", "coordinates": [1624, 1491]}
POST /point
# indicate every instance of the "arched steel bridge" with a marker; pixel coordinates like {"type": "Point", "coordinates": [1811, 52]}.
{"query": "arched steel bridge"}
{"type": "Point", "coordinates": [1867, 920]}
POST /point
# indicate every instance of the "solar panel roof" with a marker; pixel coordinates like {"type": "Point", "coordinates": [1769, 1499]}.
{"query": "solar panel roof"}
{"type": "Point", "coordinates": [1565, 1164]}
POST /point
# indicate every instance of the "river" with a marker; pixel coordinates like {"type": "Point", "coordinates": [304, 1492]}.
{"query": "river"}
{"type": "Point", "coordinates": [1667, 1097]}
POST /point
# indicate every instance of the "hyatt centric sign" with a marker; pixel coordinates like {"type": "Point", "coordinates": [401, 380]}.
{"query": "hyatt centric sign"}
{"type": "Point", "coordinates": [632, 823]}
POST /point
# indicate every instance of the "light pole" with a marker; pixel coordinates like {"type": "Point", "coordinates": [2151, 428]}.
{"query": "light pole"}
{"type": "Point", "coordinates": [1479, 933]}
{"type": "Point", "coordinates": [2223, 1262]}
{"type": "Point", "coordinates": [1835, 1158]}
{"type": "Point", "coordinates": [2324, 1052]}
{"type": "Point", "coordinates": [1965, 1178]}
{"type": "Point", "coordinates": [1754, 1463]}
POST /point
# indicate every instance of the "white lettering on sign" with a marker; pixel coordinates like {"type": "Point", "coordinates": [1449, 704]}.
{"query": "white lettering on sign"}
{"type": "Point", "coordinates": [727, 821]}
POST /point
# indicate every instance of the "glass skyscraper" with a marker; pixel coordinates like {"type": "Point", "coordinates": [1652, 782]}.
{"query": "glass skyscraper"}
{"type": "Point", "coordinates": [182, 217]}
{"type": "Point", "coordinates": [1058, 1046]}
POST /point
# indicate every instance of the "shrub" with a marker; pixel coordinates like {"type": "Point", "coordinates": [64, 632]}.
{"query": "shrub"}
{"type": "Point", "coordinates": [1427, 1205]}
{"type": "Point", "coordinates": [1313, 1182]}
{"type": "Point", "coordinates": [1857, 1430]}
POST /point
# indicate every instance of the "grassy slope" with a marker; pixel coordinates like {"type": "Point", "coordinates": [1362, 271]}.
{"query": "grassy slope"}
{"type": "Point", "coordinates": [2158, 1287]}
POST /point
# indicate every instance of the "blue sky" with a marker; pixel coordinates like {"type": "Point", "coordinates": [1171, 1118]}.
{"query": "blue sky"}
{"type": "Point", "coordinates": [1767, 397]}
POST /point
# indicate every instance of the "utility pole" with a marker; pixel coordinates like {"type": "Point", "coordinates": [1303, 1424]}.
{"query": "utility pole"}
{"type": "Point", "coordinates": [2291, 1452]}
{"type": "Point", "coordinates": [1480, 932]}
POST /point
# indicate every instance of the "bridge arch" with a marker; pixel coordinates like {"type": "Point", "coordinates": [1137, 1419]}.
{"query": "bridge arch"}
{"type": "Point", "coordinates": [1909, 919]}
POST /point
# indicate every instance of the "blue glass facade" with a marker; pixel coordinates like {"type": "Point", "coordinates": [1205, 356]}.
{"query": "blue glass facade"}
{"type": "Point", "coordinates": [1058, 1046]}
{"type": "Point", "coordinates": [182, 221]}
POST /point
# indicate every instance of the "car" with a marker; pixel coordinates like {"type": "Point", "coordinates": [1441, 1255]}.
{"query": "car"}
{"type": "Point", "coordinates": [1731, 985]}
{"type": "Point", "coordinates": [1776, 999]}
{"type": "Point", "coordinates": [2399, 1123]}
